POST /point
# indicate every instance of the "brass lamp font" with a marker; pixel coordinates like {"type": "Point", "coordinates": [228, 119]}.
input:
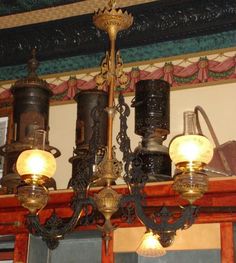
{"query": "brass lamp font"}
{"type": "Point", "coordinates": [190, 153]}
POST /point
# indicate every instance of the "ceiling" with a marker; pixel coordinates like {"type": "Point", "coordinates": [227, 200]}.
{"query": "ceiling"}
{"type": "Point", "coordinates": [61, 29]}
{"type": "Point", "coordinates": [8, 7]}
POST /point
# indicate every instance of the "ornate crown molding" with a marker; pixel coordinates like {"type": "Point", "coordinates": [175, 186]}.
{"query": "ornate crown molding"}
{"type": "Point", "coordinates": [162, 20]}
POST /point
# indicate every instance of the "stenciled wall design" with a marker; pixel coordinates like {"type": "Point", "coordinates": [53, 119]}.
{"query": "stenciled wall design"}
{"type": "Point", "coordinates": [179, 72]}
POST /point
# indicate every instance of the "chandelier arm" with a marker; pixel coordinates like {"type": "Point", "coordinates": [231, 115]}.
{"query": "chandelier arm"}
{"type": "Point", "coordinates": [55, 228]}
{"type": "Point", "coordinates": [89, 215]}
{"type": "Point", "coordinates": [223, 159]}
{"type": "Point", "coordinates": [127, 209]}
{"type": "Point", "coordinates": [186, 219]}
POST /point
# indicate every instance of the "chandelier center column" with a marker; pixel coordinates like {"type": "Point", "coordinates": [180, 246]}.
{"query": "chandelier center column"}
{"type": "Point", "coordinates": [112, 35]}
{"type": "Point", "coordinates": [112, 21]}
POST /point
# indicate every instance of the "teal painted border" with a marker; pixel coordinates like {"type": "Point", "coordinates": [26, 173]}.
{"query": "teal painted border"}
{"type": "Point", "coordinates": [142, 53]}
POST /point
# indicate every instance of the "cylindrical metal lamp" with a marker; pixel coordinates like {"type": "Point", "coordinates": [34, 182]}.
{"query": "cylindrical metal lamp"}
{"type": "Point", "coordinates": [152, 118]}
{"type": "Point", "coordinates": [152, 108]}
{"type": "Point", "coordinates": [31, 97]}
{"type": "Point", "coordinates": [91, 121]}
{"type": "Point", "coordinates": [91, 105]}
{"type": "Point", "coordinates": [156, 163]}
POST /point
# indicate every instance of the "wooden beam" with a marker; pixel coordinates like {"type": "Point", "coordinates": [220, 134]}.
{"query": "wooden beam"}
{"type": "Point", "coordinates": [227, 242]}
{"type": "Point", "coordinates": [220, 193]}
{"type": "Point", "coordinates": [6, 255]}
{"type": "Point", "coordinates": [21, 248]}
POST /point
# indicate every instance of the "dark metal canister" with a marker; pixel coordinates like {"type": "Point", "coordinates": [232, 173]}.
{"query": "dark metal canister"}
{"type": "Point", "coordinates": [152, 104]}
{"type": "Point", "coordinates": [31, 97]}
{"type": "Point", "coordinates": [91, 105]}
{"type": "Point", "coordinates": [30, 110]}
{"type": "Point", "coordinates": [91, 112]}
{"type": "Point", "coordinates": [156, 162]}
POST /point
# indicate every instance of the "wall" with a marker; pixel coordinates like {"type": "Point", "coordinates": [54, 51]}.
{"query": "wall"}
{"type": "Point", "coordinates": [218, 101]}
{"type": "Point", "coordinates": [193, 238]}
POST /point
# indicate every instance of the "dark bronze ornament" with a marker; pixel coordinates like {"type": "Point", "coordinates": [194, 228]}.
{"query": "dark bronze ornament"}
{"type": "Point", "coordinates": [166, 238]}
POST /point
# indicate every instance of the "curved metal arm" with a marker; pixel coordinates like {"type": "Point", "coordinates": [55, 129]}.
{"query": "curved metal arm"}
{"type": "Point", "coordinates": [163, 220]}
{"type": "Point", "coordinates": [55, 228]}
{"type": "Point", "coordinates": [166, 219]}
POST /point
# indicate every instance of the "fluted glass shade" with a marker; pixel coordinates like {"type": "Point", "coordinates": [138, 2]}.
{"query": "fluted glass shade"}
{"type": "Point", "coordinates": [36, 164]}
{"type": "Point", "coordinates": [150, 246]}
{"type": "Point", "coordinates": [191, 149]}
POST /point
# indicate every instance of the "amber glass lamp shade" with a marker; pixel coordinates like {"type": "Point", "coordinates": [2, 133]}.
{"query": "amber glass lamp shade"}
{"type": "Point", "coordinates": [150, 246]}
{"type": "Point", "coordinates": [190, 152]}
{"type": "Point", "coordinates": [36, 166]}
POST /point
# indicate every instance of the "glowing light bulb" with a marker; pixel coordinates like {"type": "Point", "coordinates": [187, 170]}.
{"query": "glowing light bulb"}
{"type": "Point", "coordinates": [150, 246]}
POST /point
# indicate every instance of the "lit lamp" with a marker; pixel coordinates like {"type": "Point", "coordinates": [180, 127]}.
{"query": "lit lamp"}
{"type": "Point", "coordinates": [35, 166]}
{"type": "Point", "coordinates": [150, 246]}
{"type": "Point", "coordinates": [190, 153]}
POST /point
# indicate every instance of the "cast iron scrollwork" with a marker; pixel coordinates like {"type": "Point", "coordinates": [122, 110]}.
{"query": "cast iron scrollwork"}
{"type": "Point", "coordinates": [163, 222]}
{"type": "Point", "coordinates": [83, 206]}
{"type": "Point", "coordinates": [122, 137]}
{"type": "Point", "coordinates": [55, 227]}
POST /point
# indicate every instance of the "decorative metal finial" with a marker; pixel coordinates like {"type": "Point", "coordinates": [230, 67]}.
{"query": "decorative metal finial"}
{"type": "Point", "coordinates": [32, 79]}
{"type": "Point", "coordinates": [33, 65]}
{"type": "Point", "coordinates": [112, 4]}
{"type": "Point", "coordinates": [112, 20]}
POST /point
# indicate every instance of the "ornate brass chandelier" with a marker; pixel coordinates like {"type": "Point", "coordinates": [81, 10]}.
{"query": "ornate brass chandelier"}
{"type": "Point", "coordinates": [94, 161]}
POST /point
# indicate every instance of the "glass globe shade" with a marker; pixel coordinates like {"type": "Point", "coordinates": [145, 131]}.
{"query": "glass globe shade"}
{"type": "Point", "coordinates": [191, 149]}
{"type": "Point", "coordinates": [37, 163]}
{"type": "Point", "coordinates": [150, 246]}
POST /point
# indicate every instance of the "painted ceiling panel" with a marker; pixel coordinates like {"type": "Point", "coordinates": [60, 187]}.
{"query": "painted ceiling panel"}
{"type": "Point", "coordinates": [8, 7]}
{"type": "Point", "coordinates": [180, 26]}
